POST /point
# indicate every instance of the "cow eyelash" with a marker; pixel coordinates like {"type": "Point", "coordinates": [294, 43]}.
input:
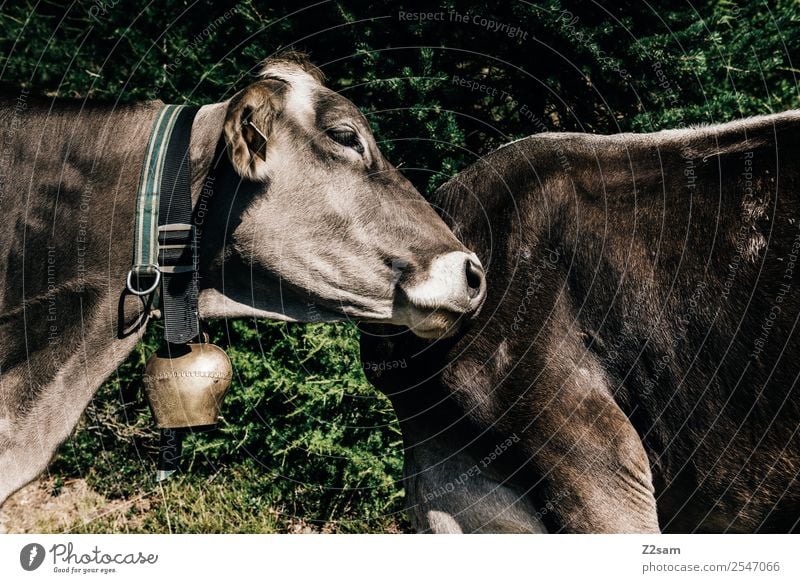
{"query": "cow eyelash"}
{"type": "Point", "coordinates": [347, 138]}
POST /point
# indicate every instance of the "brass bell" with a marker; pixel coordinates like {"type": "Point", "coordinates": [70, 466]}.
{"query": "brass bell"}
{"type": "Point", "coordinates": [185, 384]}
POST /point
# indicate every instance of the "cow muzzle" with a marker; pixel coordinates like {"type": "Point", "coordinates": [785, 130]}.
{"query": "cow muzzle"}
{"type": "Point", "coordinates": [453, 291]}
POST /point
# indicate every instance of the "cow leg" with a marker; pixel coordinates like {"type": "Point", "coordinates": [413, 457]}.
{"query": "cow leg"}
{"type": "Point", "coordinates": [42, 401]}
{"type": "Point", "coordinates": [593, 465]}
{"type": "Point", "coordinates": [586, 468]}
{"type": "Point", "coordinates": [451, 491]}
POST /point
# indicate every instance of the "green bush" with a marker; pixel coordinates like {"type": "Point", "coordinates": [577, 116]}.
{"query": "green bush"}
{"type": "Point", "coordinates": [302, 435]}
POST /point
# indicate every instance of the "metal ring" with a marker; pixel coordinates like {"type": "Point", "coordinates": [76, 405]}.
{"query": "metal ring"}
{"type": "Point", "coordinates": [149, 290]}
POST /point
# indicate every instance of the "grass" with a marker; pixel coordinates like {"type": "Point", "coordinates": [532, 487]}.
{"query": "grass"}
{"type": "Point", "coordinates": [305, 444]}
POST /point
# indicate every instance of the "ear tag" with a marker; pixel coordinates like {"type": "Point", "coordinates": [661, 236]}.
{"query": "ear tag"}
{"type": "Point", "coordinates": [259, 146]}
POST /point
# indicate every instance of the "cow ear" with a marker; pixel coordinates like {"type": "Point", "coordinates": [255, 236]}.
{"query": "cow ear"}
{"type": "Point", "coordinates": [248, 126]}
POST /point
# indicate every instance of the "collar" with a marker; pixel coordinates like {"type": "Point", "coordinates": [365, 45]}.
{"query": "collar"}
{"type": "Point", "coordinates": [165, 247]}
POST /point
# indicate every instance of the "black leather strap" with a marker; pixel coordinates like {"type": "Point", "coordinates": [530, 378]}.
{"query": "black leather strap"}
{"type": "Point", "coordinates": [177, 254]}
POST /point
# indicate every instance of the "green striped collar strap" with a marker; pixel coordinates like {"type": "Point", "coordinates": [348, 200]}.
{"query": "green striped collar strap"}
{"type": "Point", "coordinates": [145, 255]}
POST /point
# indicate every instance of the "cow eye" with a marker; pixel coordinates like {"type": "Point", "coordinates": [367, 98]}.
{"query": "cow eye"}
{"type": "Point", "coordinates": [347, 138]}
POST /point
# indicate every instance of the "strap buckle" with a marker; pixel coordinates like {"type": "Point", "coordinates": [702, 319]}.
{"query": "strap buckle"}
{"type": "Point", "coordinates": [173, 241]}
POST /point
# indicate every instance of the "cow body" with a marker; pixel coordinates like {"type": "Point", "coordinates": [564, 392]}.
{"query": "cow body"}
{"type": "Point", "coordinates": [638, 345]}
{"type": "Point", "coordinates": [64, 215]}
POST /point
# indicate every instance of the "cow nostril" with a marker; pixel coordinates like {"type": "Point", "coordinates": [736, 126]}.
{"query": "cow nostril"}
{"type": "Point", "coordinates": [474, 278]}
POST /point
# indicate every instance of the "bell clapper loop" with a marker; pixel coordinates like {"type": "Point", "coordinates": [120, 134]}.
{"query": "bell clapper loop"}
{"type": "Point", "coordinates": [203, 337]}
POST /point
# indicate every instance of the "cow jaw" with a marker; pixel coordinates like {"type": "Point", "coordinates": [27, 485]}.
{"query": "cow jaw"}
{"type": "Point", "coordinates": [285, 306]}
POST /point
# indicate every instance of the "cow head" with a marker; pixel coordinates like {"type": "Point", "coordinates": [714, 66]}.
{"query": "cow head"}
{"type": "Point", "coordinates": [311, 223]}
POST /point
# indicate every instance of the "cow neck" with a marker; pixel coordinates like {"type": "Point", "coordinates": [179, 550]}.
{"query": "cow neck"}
{"type": "Point", "coordinates": [165, 245]}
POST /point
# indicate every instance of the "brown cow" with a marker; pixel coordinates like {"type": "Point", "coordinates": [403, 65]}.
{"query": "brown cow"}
{"type": "Point", "coordinates": [307, 223]}
{"type": "Point", "coordinates": [635, 366]}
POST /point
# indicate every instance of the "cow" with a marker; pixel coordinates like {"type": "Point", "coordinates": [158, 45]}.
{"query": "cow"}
{"type": "Point", "coordinates": [305, 221]}
{"type": "Point", "coordinates": [634, 368]}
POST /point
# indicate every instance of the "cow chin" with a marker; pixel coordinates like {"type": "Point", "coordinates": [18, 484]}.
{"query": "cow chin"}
{"type": "Point", "coordinates": [432, 324]}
